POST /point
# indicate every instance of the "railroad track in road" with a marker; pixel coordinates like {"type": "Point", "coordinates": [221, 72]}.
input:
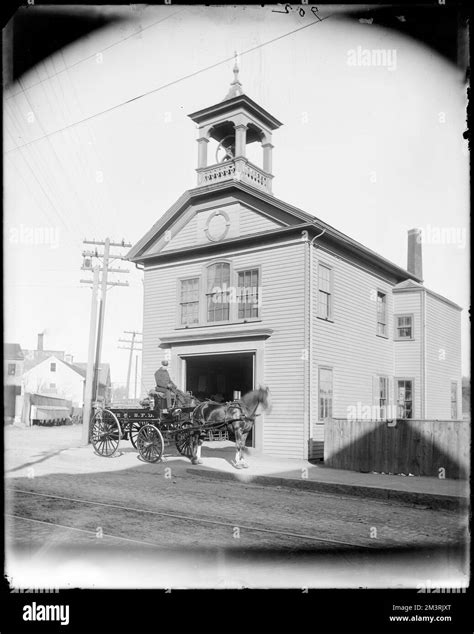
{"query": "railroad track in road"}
{"type": "Point", "coordinates": [174, 516]}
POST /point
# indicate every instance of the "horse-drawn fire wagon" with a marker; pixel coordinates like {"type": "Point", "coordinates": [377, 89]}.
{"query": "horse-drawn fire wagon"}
{"type": "Point", "coordinates": [148, 428]}
{"type": "Point", "coordinates": [154, 425]}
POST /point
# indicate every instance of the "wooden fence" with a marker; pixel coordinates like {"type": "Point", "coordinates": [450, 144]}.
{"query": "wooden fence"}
{"type": "Point", "coordinates": [419, 447]}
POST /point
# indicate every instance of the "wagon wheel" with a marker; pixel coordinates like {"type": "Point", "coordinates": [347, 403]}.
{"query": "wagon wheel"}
{"type": "Point", "coordinates": [133, 430]}
{"type": "Point", "coordinates": [106, 433]}
{"type": "Point", "coordinates": [184, 442]}
{"type": "Point", "coordinates": [150, 443]}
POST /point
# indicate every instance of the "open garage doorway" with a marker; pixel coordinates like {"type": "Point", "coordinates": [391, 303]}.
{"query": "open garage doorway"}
{"type": "Point", "coordinates": [220, 376]}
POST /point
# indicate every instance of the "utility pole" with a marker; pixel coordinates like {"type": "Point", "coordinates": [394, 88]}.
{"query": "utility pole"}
{"type": "Point", "coordinates": [90, 361]}
{"type": "Point", "coordinates": [103, 295]}
{"type": "Point", "coordinates": [136, 376]}
{"type": "Point", "coordinates": [92, 377]}
{"type": "Point", "coordinates": [133, 343]}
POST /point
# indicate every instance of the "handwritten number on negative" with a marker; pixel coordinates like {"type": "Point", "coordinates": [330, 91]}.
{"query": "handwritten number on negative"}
{"type": "Point", "coordinates": [287, 6]}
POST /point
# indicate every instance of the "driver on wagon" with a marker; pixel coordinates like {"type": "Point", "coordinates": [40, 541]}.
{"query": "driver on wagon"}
{"type": "Point", "coordinates": [166, 385]}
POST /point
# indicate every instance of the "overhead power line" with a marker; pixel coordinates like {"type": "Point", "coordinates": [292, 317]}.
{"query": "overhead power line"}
{"type": "Point", "coordinates": [85, 59]}
{"type": "Point", "coordinates": [171, 83]}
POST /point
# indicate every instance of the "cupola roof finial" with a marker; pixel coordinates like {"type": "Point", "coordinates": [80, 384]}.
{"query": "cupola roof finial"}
{"type": "Point", "coordinates": [235, 87]}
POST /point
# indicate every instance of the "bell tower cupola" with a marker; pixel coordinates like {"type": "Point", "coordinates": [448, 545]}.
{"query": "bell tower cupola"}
{"type": "Point", "coordinates": [229, 133]}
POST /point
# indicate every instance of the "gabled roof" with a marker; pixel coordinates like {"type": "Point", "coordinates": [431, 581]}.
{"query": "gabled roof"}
{"type": "Point", "coordinates": [223, 107]}
{"type": "Point", "coordinates": [79, 368]}
{"type": "Point", "coordinates": [294, 218]}
{"type": "Point", "coordinates": [407, 284]}
{"type": "Point", "coordinates": [104, 371]}
{"type": "Point", "coordinates": [411, 286]}
{"type": "Point", "coordinates": [33, 363]}
{"type": "Point", "coordinates": [12, 352]}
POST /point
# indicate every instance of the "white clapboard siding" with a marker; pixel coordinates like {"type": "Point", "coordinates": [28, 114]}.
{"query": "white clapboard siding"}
{"type": "Point", "coordinates": [443, 356]}
{"type": "Point", "coordinates": [408, 354]}
{"type": "Point", "coordinates": [252, 222]}
{"type": "Point", "coordinates": [185, 237]}
{"type": "Point", "coordinates": [282, 280]}
{"type": "Point", "coordinates": [243, 221]}
{"type": "Point", "coordinates": [349, 345]}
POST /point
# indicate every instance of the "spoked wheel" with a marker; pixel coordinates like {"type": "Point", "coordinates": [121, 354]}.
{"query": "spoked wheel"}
{"type": "Point", "coordinates": [184, 441]}
{"type": "Point", "coordinates": [150, 443]}
{"type": "Point", "coordinates": [106, 434]}
{"type": "Point", "coordinates": [133, 432]}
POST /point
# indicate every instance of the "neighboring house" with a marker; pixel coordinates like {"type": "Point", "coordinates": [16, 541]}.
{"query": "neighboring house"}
{"type": "Point", "coordinates": [242, 289]}
{"type": "Point", "coordinates": [13, 362]}
{"type": "Point", "coordinates": [105, 384]}
{"type": "Point", "coordinates": [33, 357]}
{"type": "Point", "coordinates": [55, 377]}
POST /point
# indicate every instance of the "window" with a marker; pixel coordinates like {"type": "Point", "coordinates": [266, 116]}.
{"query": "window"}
{"type": "Point", "coordinates": [382, 396]}
{"type": "Point", "coordinates": [52, 367]}
{"type": "Point", "coordinates": [325, 393]}
{"type": "Point", "coordinates": [454, 400]}
{"type": "Point", "coordinates": [381, 314]}
{"type": "Point", "coordinates": [404, 398]}
{"type": "Point", "coordinates": [189, 301]}
{"type": "Point", "coordinates": [52, 386]}
{"type": "Point", "coordinates": [403, 327]}
{"type": "Point", "coordinates": [11, 369]}
{"type": "Point", "coordinates": [247, 283]}
{"type": "Point", "coordinates": [324, 292]}
{"type": "Point", "coordinates": [218, 280]}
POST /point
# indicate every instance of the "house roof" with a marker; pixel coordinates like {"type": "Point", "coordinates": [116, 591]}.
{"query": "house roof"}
{"type": "Point", "coordinates": [104, 371]}
{"type": "Point", "coordinates": [411, 286]}
{"type": "Point", "coordinates": [407, 284]}
{"type": "Point", "coordinates": [230, 104]}
{"type": "Point", "coordinates": [12, 352]}
{"type": "Point", "coordinates": [81, 369]}
{"type": "Point", "coordinates": [293, 217]}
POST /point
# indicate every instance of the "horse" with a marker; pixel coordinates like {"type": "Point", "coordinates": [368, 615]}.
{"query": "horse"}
{"type": "Point", "coordinates": [239, 416]}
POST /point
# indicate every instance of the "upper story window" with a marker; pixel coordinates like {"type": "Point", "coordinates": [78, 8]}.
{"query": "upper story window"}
{"type": "Point", "coordinates": [381, 314]}
{"type": "Point", "coordinates": [189, 301]}
{"type": "Point", "coordinates": [218, 282]}
{"type": "Point", "coordinates": [11, 369]}
{"type": "Point", "coordinates": [248, 297]}
{"type": "Point", "coordinates": [324, 292]}
{"type": "Point", "coordinates": [221, 295]}
{"type": "Point", "coordinates": [52, 367]}
{"type": "Point", "coordinates": [403, 327]}
{"type": "Point", "coordinates": [454, 400]}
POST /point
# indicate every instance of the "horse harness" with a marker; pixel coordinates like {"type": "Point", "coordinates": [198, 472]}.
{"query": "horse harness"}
{"type": "Point", "coordinates": [242, 417]}
{"type": "Point", "coordinates": [238, 405]}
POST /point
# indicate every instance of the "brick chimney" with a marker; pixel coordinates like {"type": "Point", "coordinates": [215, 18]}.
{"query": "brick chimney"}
{"type": "Point", "coordinates": [40, 342]}
{"type": "Point", "coordinates": [414, 260]}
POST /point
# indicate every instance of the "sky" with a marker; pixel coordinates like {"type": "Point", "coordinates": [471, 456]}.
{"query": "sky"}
{"type": "Point", "coordinates": [373, 150]}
